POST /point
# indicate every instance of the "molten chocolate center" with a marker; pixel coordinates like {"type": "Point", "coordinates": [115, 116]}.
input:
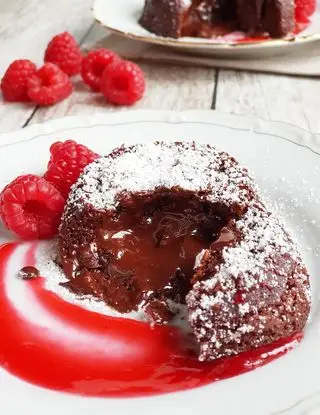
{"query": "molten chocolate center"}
{"type": "Point", "coordinates": [154, 244]}
{"type": "Point", "coordinates": [145, 253]}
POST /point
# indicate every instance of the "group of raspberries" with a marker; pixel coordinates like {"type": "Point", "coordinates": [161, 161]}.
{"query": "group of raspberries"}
{"type": "Point", "coordinates": [31, 206]}
{"type": "Point", "coordinates": [121, 82]}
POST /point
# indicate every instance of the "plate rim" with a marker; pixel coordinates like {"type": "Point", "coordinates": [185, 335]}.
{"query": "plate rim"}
{"type": "Point", "coordinates": [302, 137]}
{"type": "Point", "coordinates": [183, 43]}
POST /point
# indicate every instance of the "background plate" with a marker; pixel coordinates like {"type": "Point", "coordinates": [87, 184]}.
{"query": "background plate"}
{"type": "Point", "coordinates": [286, 163]}
{"type": "Point", "coordinates": [121, 17]}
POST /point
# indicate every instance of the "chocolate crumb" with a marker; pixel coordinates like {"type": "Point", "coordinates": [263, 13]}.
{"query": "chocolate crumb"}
{"type": "Point", "coordinates": [158, 312]}
{"type": "Point", "coordinates": [28, 273]}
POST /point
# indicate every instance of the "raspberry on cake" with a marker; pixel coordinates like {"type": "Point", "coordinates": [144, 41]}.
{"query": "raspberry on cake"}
{"type": "Point", "coordinates": [208, 18]}
{"type": "Point", "coordinates": [158, 224]}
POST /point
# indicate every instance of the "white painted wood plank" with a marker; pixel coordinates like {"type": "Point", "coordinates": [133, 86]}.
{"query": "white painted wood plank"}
{"type": "Point", "coordinates": [25, 28]}
{"type": "Point", "coordinates": [168, 87]}
{"type": "Point", "coordinates": [281, 98]}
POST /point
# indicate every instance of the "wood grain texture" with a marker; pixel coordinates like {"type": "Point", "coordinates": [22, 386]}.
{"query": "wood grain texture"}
{"type": "Point", "coordinates": [26, 27]}
{"type": "Point", "coordinates": [281, 98]}
{"type": "Point", "coordinates": [168, 87]}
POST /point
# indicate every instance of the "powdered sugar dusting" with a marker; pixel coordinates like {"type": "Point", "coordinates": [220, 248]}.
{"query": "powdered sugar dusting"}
{"type": "Point", "coordinates": [265, 257]}
{"type": "Point", "coordinates": [144, 167]}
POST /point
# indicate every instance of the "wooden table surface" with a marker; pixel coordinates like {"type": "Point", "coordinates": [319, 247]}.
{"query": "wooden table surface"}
{"type": "Point", "coordinates": [26, 27]}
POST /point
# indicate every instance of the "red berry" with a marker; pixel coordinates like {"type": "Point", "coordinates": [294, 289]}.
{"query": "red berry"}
{"type": "Point", "coordinates": [304, 9]}
{"type": "Point", "coordinates": [17, 180]}
{"type": "Point", "coordinates": [93, 66]}
{"type": "Point", "coordinates": [63, 50]}
{"type": "Point", "coordinates": [31, 207]}
{"type": "Point", "coordinates": [49, 85]}
{"type": "Point", "coordinates": [67, 161]}
{"type": "Point", "coordinates": [123, 83]}
{"type": "Point", "coordinates": [14, 81]}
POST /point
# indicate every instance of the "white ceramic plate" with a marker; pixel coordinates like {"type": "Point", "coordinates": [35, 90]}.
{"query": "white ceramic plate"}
{"type": "Point", "coordinates": [121, 17]}
{"type": "Point", "coordinates": [286, 163]}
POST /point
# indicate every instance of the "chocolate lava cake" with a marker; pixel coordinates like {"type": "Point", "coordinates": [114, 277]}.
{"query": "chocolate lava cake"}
{"type": "Point", "coordinates": [208, 18]}
{"type": "Point", "coordinates": [158, 224]}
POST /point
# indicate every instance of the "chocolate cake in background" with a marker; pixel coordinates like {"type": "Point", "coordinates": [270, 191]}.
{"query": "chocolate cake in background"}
{"type": "Point", "coordinates": [154, 225]}
{"type": "Point", "coordinates": [208, 18]}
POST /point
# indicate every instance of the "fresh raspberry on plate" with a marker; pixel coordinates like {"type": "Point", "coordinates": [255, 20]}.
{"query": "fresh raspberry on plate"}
{"type": "Point", "coordinates": [304, 9]}
{"type": "Point", "coordinates": [67, 161]}
{"type": "Point", "coordinates": [93, 65]}
{"type": "Point", "coordinates": [123, 83]}
{"type": "Point", "coordinates": [64, 51]}
{"type": "Point", "coordinates": [14, 81]}
{"type": "Point", "coordinates": [49, 85]}
{"type": "Point", "coordinates": [31, 207]}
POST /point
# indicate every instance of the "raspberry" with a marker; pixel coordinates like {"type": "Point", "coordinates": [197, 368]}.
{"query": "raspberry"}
{"type": "Point", "coordinates": [18, 180]}
{"type": "Point", "coordinates": [49, 85]}
{"type": "Point", "coordinates": [14, 81]}
{"type": "Point", "coordinates": [93, 66]}
{"type": "Point", "coordinates": [63, 50]}
{"type": "Point", "coordinates": [123, 83]}
{"type": "Point", "coordinates": [31, 207]}
{"type": "Point", "coordinates": [67, 162]}
{"type": "Point", "coordinates": [304, 9]}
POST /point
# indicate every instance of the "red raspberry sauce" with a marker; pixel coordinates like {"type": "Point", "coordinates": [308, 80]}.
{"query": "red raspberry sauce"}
{"type": "Point", "coordinates": [144, 362]}
{"type": "Point", "coordinates": [300, 27]}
